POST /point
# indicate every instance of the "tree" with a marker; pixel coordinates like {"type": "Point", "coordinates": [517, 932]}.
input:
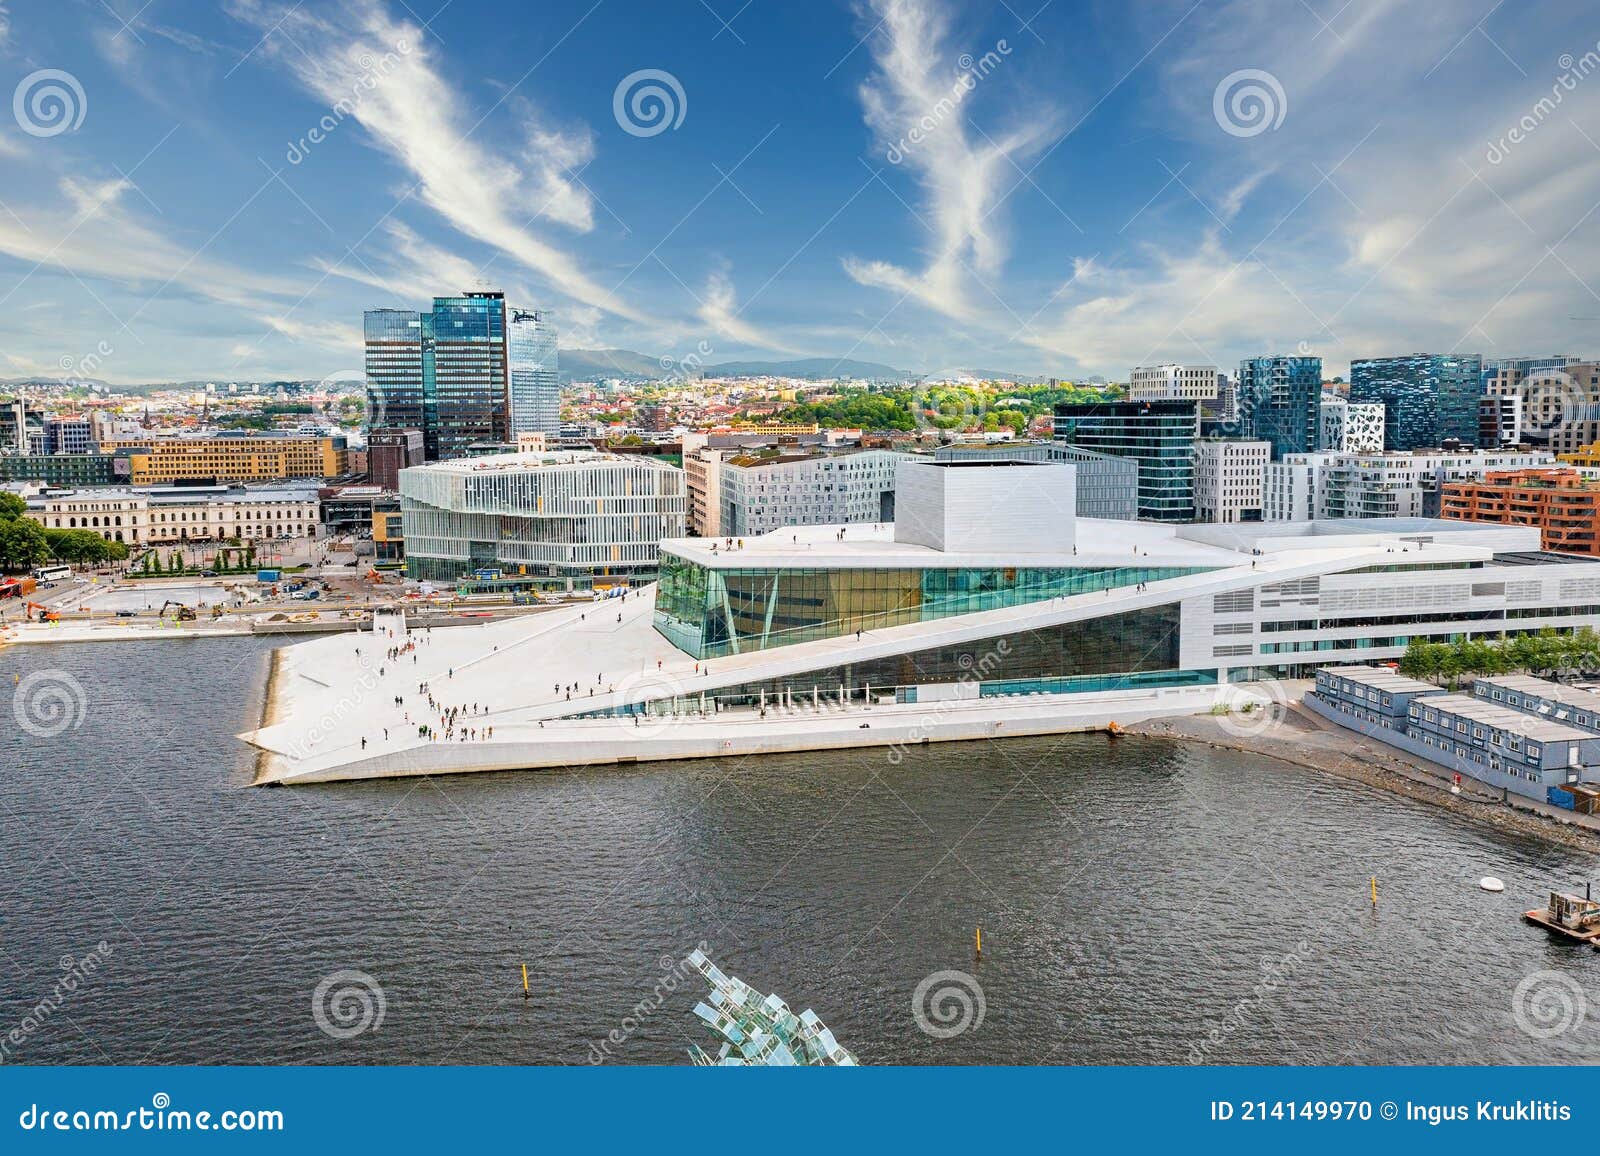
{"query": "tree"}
{"type": "Point", "coordinates": [22, 544]}
{"type": "Point", "coordinates": [11, 507]}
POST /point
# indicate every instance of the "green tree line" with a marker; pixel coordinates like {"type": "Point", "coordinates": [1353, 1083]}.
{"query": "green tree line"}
{"type": "Point", "coordinates": [24, 543]}
{"type": "Point", "coordinates": [1545, 653]}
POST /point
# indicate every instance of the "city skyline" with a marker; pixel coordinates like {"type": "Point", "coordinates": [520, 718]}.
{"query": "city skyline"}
{"type": "Point", "coordinates": [920, 183]}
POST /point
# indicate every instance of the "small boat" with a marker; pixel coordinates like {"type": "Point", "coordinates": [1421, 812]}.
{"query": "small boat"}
{"type": "Point", "coordinates": [1490, 883]}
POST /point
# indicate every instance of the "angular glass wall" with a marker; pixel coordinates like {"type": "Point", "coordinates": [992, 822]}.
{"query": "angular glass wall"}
{"type": "Point", "coordinates": [708, 612]}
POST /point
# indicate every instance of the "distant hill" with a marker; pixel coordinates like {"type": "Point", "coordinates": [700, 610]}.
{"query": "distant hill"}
{"type": "Point", "coordinates": [588, 364]}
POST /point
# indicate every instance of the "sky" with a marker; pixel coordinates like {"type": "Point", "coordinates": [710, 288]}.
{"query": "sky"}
{"type": "Point", "coordinates": [216, 190]}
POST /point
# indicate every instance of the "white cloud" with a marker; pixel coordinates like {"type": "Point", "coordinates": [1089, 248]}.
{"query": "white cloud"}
{"type": "Point", "coordinates": [916, 103]}
{"type": "Point", "coordinates": [382, 72]}
{"type": "Point", "coordinates": [719, 310]}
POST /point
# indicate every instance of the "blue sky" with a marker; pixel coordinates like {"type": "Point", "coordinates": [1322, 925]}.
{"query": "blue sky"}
{"type": "Point", "coordinates": [935, 184]}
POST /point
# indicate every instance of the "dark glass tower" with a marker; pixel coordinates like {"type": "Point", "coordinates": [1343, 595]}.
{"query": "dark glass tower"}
{"type": "Point", "coordinates": [1279, 401]}
{"type": "Point", "coordinates": [446, 373]}
{"type": "Point", "coordinates": [1428, 398]}
{"type": "Point", "coordinates": [1159, 435]}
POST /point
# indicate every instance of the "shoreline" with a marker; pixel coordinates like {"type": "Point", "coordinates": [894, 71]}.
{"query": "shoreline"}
{"type": "Point", "coordinates": [1303, 742]}
{"type": "Point", "coordinates": [271, 711]}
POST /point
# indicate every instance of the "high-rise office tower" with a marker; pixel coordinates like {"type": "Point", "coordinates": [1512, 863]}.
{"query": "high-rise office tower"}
{"type": "Point", "coordinates": [535, 387]}
{"type": "Point", "coordinates": [1159, 435]}
{"type": "Point", "coordinates": [1280, 401]}
{"type": "Point", "coordinates": [1428, 398]}
{"type": "Point", "coordinates": [470, 374]}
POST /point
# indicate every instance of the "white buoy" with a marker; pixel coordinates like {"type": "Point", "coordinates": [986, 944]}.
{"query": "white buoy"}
{"type": "Point", "coordinates": [1490, 883]}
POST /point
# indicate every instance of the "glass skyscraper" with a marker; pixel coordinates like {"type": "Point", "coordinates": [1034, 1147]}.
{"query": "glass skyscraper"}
{"type": "Point", "coordinates": [535, 387]}
{"type": "Point", "coordinates": [1279, 401]}
{"type": "Point", "coordinates": [469, 374]}
{"type": "Point", "coordinates": [1428, 398]}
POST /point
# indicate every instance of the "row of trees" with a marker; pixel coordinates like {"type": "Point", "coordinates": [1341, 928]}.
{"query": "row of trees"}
{"type": "Point", "coordinates": [24, 543]}
{"type": "Point", "coordinates": [1545, 653]}
{"type": "Point", "coordinates": [227, 560]}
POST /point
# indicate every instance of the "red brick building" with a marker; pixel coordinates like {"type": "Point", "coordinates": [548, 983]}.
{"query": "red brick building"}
{"type": "Point", "coordinates": [1563, 503]}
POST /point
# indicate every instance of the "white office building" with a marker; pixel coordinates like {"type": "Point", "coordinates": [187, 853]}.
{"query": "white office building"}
{"type": "Point", "coordinates": [1228, 478]}
{"type": "Point", "coordinates": [159, 515]}
{"type": "Point", "coordinates": [762, 491]}
{"type": "Point", "coordinates": [1173, 383]}
{"type": "Point", "coordinates": [1351, 427]}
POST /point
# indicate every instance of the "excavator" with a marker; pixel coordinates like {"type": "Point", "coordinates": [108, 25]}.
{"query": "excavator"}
{"type": "Point", "coordinates": [185, 613]}
{"type": "Point", "coordinates": [45, 613]}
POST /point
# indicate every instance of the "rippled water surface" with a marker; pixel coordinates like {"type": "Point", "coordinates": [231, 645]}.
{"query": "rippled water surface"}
{"type": "Point", "coordinates": [1141, 901]}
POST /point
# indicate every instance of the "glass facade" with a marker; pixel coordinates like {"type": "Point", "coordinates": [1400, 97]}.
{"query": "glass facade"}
{"type": "Point", "coordinates": [1427, 398]}
{"type": "Point", "coordinates": [535, 387]}
{"type": "Point", "coordinates": [468, 374]}
{"type": "Point", "coordinates": [1280, 401]}
{"type": "Point", "coordinates": [708, 612]}
{"type": "Point", "coordinates": [1159, 435]}
{"type": "Point", "coordinates": [1115, 652]}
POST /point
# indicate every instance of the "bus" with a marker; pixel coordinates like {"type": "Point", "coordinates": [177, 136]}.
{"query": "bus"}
{"type": "Point", "coordinates": [52, 573]}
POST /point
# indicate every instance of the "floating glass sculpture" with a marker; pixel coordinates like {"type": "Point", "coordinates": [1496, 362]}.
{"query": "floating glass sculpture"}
{"type": "Point", "coordinates": [760, 1030]}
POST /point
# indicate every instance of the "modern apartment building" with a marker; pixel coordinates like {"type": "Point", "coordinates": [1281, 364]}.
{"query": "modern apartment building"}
{"type": "Point", "coordinates": [569, 519]}
{"type": "Point", "coordinates": [1158, 435]}
{"type": "Point", "coordinates": [1280, 401]}
{"type": "Point", "coordinates": [1428, 398]}
{"type": "Point", "coordinates": [1173, 383]}
{"type": "Point", "coordinates": [1499, 421]}
{"type": "Point", "coordinates": [230, 458]}
{"type": "Point", "coordinates": [470, 372]}
{"type": "Point", "coordinates": [1351, 427]}
{"type": "Point", "coordinates": [1386, 485]}
{"type": "Point", "coordinates": [1228, 478]}
{"type": "Point", "coordinates": [1560, 404]}
{"type": "Point", "coordinates": [758, 492]}
{"type": "Point", "coordinates": [1563, 503]}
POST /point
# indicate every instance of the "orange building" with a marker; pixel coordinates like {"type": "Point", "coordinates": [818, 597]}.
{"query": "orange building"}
{"type": "Point", "coordinates": [1563, 503]}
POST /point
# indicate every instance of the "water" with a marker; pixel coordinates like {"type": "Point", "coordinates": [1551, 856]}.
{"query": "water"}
{"type": "Point", "coordinates": [1129, 893]}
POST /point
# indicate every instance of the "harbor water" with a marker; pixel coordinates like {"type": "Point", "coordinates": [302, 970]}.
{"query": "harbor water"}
{"type": "Point", "coordinates": [1141, 901]}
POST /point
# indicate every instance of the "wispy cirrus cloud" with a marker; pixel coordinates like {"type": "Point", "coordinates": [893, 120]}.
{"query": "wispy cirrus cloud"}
{"type": "Point", "coordinates": [915, 102]}
{"type": "Point", "coordinates": [413, 114]}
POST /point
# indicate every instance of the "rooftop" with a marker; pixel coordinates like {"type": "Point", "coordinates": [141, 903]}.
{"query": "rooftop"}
{"type": "Point", "coordinates": [1554, 691]}
{"type": "Point", "coordinates": [533, 460]}
{"type": "Point", "coordinates": [866, 546]}
{"type": "Point", "coordinates": [1530, 726]}
{"type": "Point", "coordinates": [1381, 678]}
